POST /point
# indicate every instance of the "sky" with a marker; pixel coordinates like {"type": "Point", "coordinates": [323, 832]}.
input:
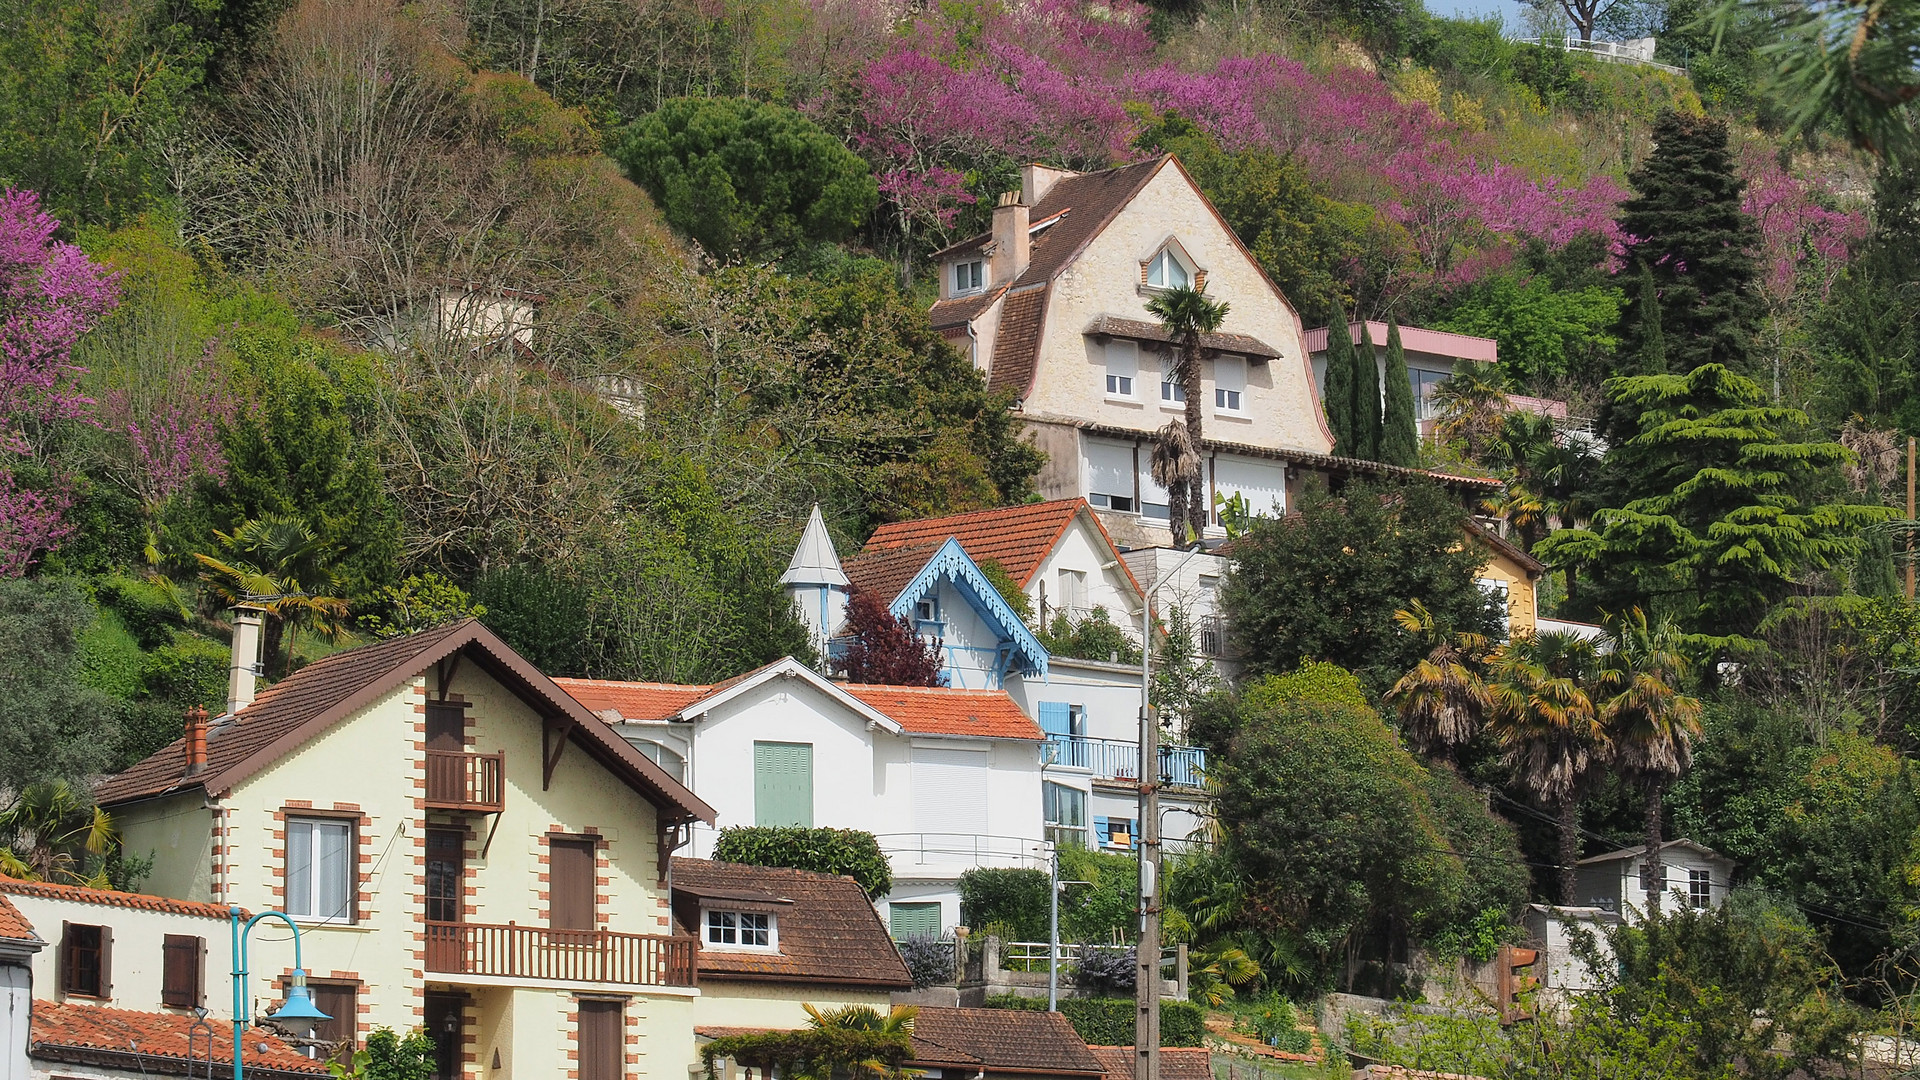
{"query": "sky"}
{"type": "Point", "coordinates": [1508, 10]}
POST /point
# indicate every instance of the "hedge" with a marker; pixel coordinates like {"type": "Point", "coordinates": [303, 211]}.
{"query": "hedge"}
{"type": "Point", "coordinates": [827, 851]}
{"type": "Point", "coordinates": [1015, 899]}
{"type": "Point", "coordinates": [1109, 1021]}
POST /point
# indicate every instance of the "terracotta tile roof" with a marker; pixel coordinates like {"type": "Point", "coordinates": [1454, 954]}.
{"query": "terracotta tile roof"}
{"type": "Point", "coordinates": [14, 925]}
{"type": "Point", "coordinates": [634, 700]}
{"type": "Point", "coordinates": [293, 711]}
{"type": "Point", "coordinates": [962, 310]}
{"type": "Point", "coordinates": [1137, 330]}
{"type": "Point", "coordinates": [1011, 1039]}
{"type": "Point", "coordinates": [722, 1032]}
{"type": "Point", "coordinates": [1176, 1062]}
{"type": "Point", "coordinates": [151, 1041]}
{"type": "Point", "coordinates": [137, 901]}
{"type": "Point", "coordinates": [939, 710]}
{"type": "Point", "coordinates": [1016, 537]}
{"type": "Point", "coordinates": [889, 572]}
{"type": "Point", "coordinates": [828, 933]}
{"type": "Point", "coordinates": [1017, 343]}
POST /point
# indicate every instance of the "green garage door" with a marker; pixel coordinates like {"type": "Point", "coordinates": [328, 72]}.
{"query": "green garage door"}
{"type": "Point", "coordinates": [783, 784]}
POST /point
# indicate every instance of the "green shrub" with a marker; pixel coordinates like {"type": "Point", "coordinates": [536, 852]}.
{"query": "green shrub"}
{"type": "Point", "coordinates": [1109, 1021]}
{"type": "Point", "coordinates": [1182, 1023]}
{"type": "Point", "coordinates": [1278, 1025]}
{"type": "Point", "coordinates": [1016, 899]}
{"type": "Point", "coordinates": [110, 658]}
{"type": "Point", "coordinates": [827, 851]}
{"type": "Point", "coordinates": [150, 612]}
{"type": "Point", "coordinates": [190, 670]}
{"type": "Point", "coordinates": [1314, 681]}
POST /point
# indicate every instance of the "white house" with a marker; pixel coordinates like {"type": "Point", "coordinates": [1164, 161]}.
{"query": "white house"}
{"type": "Point", "coordinates": [948, 779]}
{"type": "Point", "coordinates": [1696, 877]}
{"type": "Point", "coordinates": [18, 946]}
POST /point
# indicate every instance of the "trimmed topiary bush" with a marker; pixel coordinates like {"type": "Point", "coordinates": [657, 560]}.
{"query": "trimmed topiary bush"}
{"type": "Point", "coordinates": [827, 851]}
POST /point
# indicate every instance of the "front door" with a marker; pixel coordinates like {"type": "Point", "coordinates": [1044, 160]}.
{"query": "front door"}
{"type": "Point", "coordinates": [446, 1022]}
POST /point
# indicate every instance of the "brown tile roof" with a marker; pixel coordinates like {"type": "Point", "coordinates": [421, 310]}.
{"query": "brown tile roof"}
{"type": "Point", "coordinates": [14, 925]}
{"type": "Point", "coordinates": [1016, 537]}
{"type": "Point", "coordinates": [1094, 199]}
{"type": "Point", "coordinates": [1176, 1062]}
{"type": "Point", "coordinates": [293, 711]}
{"type": "Point", "coordinates": [961, 310]}
{"type": "Point", "coordinates": [47, 890]}
{"type": "Point", "coordinates": [940, 710]}
{"type": "Point", "coordinates": [1001, 1040]}
{"type": "Point", "coordinates": [127, 1040]}
{"type": "Point", "coordinates": [890, 571]}
{"type": "Point", "coordinates": [1017, 342]}
{"type": "Point", "coordinates": [1138, 330]}
{"type": "Point", "coordinates": [720, 1031]}
{"type": "Point", "coordinates": [828, 933]}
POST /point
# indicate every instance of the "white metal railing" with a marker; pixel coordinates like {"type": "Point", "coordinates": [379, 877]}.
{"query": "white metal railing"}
{"type": "Point", "coordinates": [1115, 759]}
{"type": "Point", "coordinates": [1617, 52]}
{"type": "Point", "coordinates": [908, 849]}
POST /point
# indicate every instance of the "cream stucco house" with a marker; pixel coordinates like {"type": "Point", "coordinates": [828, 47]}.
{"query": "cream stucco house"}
{"type": "Point", "coordinates": [465, 846]}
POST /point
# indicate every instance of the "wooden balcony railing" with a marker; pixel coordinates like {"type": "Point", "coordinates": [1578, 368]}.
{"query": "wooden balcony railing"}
{"type": "Point", "coordinates": [461, 781]}
{"type": "Point", "coordinates": [573, 956]}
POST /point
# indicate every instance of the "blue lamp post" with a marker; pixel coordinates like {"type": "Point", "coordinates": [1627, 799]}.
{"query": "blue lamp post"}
{"type": "Point", "coordinates": [299, 1003]}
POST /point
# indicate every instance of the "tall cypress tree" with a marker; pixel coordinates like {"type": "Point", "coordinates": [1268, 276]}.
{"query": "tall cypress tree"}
{"type": "Point", "coordinates": [1337, 389]}
{"type": "Point", "coordinates": [1688, 233]}
{"type": "Point", "coordinates": [1366, 398]}
{"type": "Point", "coordinates": [1399, 431]}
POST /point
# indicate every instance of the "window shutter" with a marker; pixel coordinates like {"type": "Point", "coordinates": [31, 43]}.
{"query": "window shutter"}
{"type": "Point", "coordinates": [602, 1039]}
{"type": "Point", "coordinates": [446, 727]}
{"type": "Point", "coordinates": [106, 962]}
{"type": "Point", "coordinates": [1056, 718]}
{"type": "Point", "coordinates": [913, 920]}
{"type": "Point", "coordinates": [199, 971]}
{"type": "Point", "coordinates": [1109, 468]}
{"type": "Point", "coordinates": [66, 957]}
{"type": "Point", "coordinates": [1102, 830]}
{"type": "Point", "coordinates": [950, 792]}
{"type": "Point", "coordinates": [570, 884]}
{"type": "Point", "coordinates": [180, 958]}
{"type": "Point", "coordinates": [783, 784]}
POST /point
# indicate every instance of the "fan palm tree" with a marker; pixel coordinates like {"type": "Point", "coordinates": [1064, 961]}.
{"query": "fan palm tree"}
{"type": "Point", "coordinates": [275, 562]}
{"type": "Point", "coordinates": [1186, 314]}
{"type": "Point", "coordinates": [1549, 731]}
{"type": "Point", "coordinates": [865, 1018]}
{"type": "Point", "coordinates": [1443, 699]}
{"type": "Point", "coordinates": [1650, 724]}
{"type": "Point", "coordinates": [48, 832]}
{"type": "Point", "coordinates": [1470, 402]}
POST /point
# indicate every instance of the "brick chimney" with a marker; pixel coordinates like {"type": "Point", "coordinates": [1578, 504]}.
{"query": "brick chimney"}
{"type": "Point", "coordinates": [1037, 179]}
{"type": "Point", "coordinates": [196, 738]}
{"type": "Point", "coordinates": [1011, 244]}
{"type": "Point", "coordinates": [244, 669]}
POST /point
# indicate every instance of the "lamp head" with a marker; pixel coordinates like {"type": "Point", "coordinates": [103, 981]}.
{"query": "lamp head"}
{"type": "Point", "coordinates": [297, 1015]}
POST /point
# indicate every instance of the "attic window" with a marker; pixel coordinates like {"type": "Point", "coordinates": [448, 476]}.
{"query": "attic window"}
{"type": "Point", "coordinates": [741, 930]}
{"type": "Point", "coordinates": [968, 277]}
{"type": "Point", "coordinates": [1168, 270]}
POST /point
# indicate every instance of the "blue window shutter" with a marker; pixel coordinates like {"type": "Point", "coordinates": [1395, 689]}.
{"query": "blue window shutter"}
{"type": "Point", "coordinates": [1056, 718]}
{"type": "Point", "coordinates": [783, 784]}
{"type": "Point", "coordinates": [1102, 830]}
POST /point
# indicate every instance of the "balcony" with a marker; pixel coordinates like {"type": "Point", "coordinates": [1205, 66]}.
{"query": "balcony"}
{"type": "Point", "coordinates": [461, 781]}
{"type": "Point", "coordinates": [1112, 759]}
{"type": "Point", "coordinates": [569, 956]}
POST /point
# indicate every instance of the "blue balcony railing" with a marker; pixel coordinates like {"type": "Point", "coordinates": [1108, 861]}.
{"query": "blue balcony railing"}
{"type": "Point", "coordinates": [1112, 759]}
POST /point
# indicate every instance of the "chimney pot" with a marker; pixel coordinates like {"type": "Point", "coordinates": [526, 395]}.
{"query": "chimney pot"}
{"type": "Point", "coordinates": [196, 739]}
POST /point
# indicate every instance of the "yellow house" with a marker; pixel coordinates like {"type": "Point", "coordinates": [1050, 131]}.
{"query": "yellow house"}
{"type": "Point", "coordinates": [1513, 574]}
{"type": "Point", "coordinates": [465, 847]}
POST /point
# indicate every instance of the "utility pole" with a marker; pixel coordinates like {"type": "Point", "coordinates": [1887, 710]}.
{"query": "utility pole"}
{"type": "Point", "coordinates": [1909, 517]}
{"type": "Point", "coordinates": [1146, 984]}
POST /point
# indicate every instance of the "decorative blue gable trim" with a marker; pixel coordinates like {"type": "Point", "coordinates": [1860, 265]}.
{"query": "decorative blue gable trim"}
{"type": "Point", "coordinates": [1020, 651]}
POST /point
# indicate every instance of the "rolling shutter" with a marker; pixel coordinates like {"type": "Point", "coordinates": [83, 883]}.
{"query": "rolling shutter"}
{"type": "Point", "coordinates": [783, 784]}
{"type": "Point", "coordinates": [950, 791]}
{"type": "Point", "coordinates": [1262, 483]}
{"type": "Point", "coordinates": [1109, 468]}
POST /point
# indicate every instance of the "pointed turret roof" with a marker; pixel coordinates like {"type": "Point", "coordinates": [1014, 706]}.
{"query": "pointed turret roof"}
{"type": "Point", "coordinates": [814, 561]}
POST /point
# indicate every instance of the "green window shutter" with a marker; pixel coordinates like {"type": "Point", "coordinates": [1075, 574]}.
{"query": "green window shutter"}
{"type": "Point", "coordinates": [783, 784]}
{"type": "Point", "coordinates": [913, 920]}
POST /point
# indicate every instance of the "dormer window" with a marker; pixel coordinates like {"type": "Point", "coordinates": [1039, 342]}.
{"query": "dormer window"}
{"type": "Point", "coordinates": [969, 277]}
{"type": "Point", "coordinates": [1168, 270]}
{"type": "Point", "coordinates": [741, 930]}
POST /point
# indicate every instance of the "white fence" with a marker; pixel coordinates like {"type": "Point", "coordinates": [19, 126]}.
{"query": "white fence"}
{"type": "Point", "coordinates": [1637, 51]}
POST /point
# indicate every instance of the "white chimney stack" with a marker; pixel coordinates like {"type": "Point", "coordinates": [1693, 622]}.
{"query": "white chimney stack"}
{"type": "Point", "coordinates": [243, 669]}
{"type": "Point", "coordinates": [1012, 244]}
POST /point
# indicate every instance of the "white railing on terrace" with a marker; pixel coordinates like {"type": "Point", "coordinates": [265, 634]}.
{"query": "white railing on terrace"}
{"type": "Point", "coordinates": [962, 849]}
{"type": "Point", "coordinates": [1032, 955]}
{"type": "Point", "coordinates": [1112, 759]}
{"type": "Point", "coordinates": [1617, 52]}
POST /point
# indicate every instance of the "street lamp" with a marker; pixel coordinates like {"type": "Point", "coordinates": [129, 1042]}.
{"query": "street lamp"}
{"type": "Point", "coordinates": [1146, 1027]}
{"type": "Point", "coordinates": [298, 1008]}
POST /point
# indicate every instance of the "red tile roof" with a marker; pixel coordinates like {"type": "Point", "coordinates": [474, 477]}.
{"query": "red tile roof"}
{"type": "Point", "coordinates": [151, 1042]}
{"type": "Point", "coordinates": [1176, 1062]}
{"type": "Point", "coordinates": [294, 711]}
{"type": "Point", "coordinates": [828, 931]}
{"type": "Point", "coordinates": [1016, 345]}
{"type": "Point", "coordinates": [1016, 537]}
{"type": "Point", "coordinates": [962, 310]}
{"type": "Point", "coordinates": [46, 890]}
{"type": "Point", "coordinates": [939, 710]}
{"type": "Point", "coordinates": [997, 1039]}
{"type": "Point", "coordinates": [13, 924]}
{"type": "Point", "coordinates": [889, 572]}
{"type": "Point", "coordinates": [634, 700]}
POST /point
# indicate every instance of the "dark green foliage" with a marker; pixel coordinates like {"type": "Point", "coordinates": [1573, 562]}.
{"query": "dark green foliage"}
{"type": "Point", "coordinates": [1870, 326]}
{"type": "Point", "coordinates": [1015, 899]}
{"type": "Point", "coordinates": [1106, 910]}
{"type": "Point", "coordinates": [541, 613]}
{"type": "Point", "coordinates": [1874, 574]}
{"type": "Point", "coordinates": [1366, 398]}
{"type": "Point", "coordinates": [1337, 389]}
{"type": "Point", "coordinates": [53, 723]}
{"type": "Point", "coordinates": [1323, 583]}
{"type": "Point", "coordinates": [747, 179]}
{"type": "Point", "coordinates": [1690, 234]}
{"type": "Point", "coordinates": [390, 1056]}
{"type": "Point", "coordinates": [1094, 637]}
{"type": "Point", "coordinates": [1109, 1021]}
{"type": "Point", "coordinates": [1546, 329]}
{"type": "Point", "coordinates": [1399, 430]}
{"type": "Point", "coordinates": [849, 852]}
{"type": "Point", "coordinates": [1008, 589]}
{"type": "Point", "coordinates": [811, 1051]}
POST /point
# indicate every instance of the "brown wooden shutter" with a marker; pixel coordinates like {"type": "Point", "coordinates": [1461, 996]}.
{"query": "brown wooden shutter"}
{"type": "Point", "coordinates": [106, 961]}
{"type": "Point", "coordinates": [602, 1039]}
{"type": "Point", "coordinates": [181, 980]}
{"type": "Point", "coordinates": [570, 874]}
{"type": "Point", "coordinates": [68, 968]}
{"type": "Point", "coordinates": [446, 727]}
{"type": "Point", "coordinates": [338, 1001]}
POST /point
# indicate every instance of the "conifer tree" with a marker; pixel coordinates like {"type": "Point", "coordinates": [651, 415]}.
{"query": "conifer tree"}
{"type": "Point", "coordinates": [1873, 572]}
{"type": "Point", "coordinates": [1366, 398]}
{"type": "Point", "coordinates": [1399, 431]}
{"type": "Point", "coordinates": [1337, 387]}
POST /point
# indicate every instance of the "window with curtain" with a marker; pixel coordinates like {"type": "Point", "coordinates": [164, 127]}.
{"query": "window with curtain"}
{"type": "Point", "coordinates": [319, 868]}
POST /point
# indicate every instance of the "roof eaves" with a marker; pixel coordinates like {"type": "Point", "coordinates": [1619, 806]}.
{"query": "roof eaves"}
{"type": "Point", "coordinates": [951, 560]}
{"type": "Point", "coordinates": [788, 667]}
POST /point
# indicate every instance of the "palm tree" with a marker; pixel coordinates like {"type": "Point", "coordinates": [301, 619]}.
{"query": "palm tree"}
{"type": "Point", "coordinates": [1471, 402]}
{"type": "Point", "coordinates": [275, 563]}
{"type": "Point", "coordinates": [1650, 724]}
{"type": "Point", "coordinates": [48, 832]}
{"type": "Point", "coordinates": [1443, 700]}
{"type": "Point", "coordinates": [1546, 472]}
{"type": "Point", "coordinates": [864, 1018]}
{"type": "Point", "coordinates": [1550, 733]}
{"type": "Point", "coordinates": [1186, 313]}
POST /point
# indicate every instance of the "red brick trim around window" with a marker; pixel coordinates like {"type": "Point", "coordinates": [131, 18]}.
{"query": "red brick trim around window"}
{"type": "Point", "coordinates": [362, 849]}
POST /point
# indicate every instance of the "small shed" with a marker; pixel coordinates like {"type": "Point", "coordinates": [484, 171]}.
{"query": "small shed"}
{"type": "Point", "coordinates": [1696, 877]}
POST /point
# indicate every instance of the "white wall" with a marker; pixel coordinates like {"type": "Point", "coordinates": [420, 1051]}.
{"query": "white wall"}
{"type": "Point", "coordinates": [1192, 585]}
{"type": "Point", "coordinates": [134, 968]}
{"type": "Point", "coordinates": [1082, 549]}
{"type": "Point", "coordinates": [16, 983]}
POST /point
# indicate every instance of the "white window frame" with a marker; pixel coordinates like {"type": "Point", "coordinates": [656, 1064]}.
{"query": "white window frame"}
{"type": "Point", "coordinates": [1230, 386]}
{"type": "Point", "coordinates": [1055, 797]}
{"type": "Point", "coordinates": [1699, 888]}
{"type": "Point", "coordinates": [973, 272]}
{"type": "Point", "coordinates": [1172, 394]}
{"type": "Point", "coordinates": [717, 925]}
{"type": "Point", "coordinates": [1158, 266]}
{"type": "Point", "coordinates": [306, 907]}
{"type": "Point", "coordinates": [1497, 589]}
{"type": "Point", "coordinates": [1123, 370]}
